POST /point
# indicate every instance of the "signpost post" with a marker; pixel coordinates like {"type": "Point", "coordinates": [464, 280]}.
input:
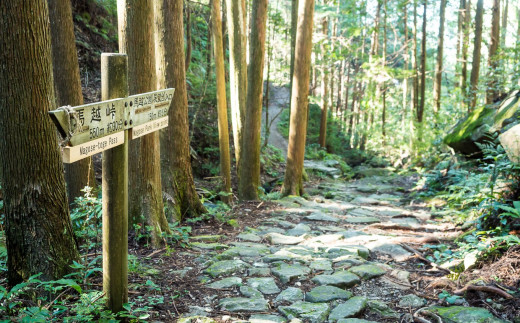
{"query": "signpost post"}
{"type": "Point", "coordinates": [106, 127]}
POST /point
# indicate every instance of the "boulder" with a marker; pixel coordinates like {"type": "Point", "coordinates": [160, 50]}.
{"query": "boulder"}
{"type": "Point", "coordinates": [482, 123]}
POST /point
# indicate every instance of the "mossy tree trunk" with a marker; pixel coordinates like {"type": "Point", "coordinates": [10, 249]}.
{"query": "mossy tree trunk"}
{"type": "Point", "coordinates": [136, 39]}
{"type": "Point", "coordinates": [437, 87]}
{"type": "Point", "coordinates": [322, 140]}
{"type": "Point", "coordinates": [249, 170]}
{"type": "Point", "coordinates": [223, 126]}
{"type": "Point", "coordinates": [38, 229]}
{"type": "Point", "coordinates": [67, 85]}
{"type": "Point", "coordinates": [237, 70]}
{"type": "Point", "coordinates": [293, 183]}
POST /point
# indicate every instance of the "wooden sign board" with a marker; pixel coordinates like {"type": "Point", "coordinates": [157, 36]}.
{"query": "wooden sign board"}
{"type": "Point", "coordinates": [92, 128]}
{"type": "Point", "coordinates": [75, 153]}
{"type": "Point", "coordinates": [148, 127]}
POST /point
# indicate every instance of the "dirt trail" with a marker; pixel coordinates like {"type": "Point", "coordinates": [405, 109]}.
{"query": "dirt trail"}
{"type": "Point", "coordinates": [278, 100]}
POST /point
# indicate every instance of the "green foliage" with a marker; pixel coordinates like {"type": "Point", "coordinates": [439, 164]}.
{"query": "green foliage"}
{"type": "Point", "coordinates": [86, 216]}
{"type": "Point", "coordinates": [271, 160]}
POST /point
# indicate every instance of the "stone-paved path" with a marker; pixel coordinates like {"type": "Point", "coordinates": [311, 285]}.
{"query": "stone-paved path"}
{"type": "Point", "coordinates": [331, 259]}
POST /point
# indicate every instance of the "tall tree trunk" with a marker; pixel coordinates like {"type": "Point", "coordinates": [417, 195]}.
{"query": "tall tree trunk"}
{"type": "Point", "coordinates": [176, 161]}
{"type": "Point", "coordinates": [504, 25]}
{"type": "Point", "coordinates": [415, 90]}
{"type": "Point", "coordinates": [460, 35]}
{"type": "Point", "coordinates": [67, 85]}
{"type": "Point", "coordinates": [341, 71]}
{"type": "Point", "coordinates": [466, 22]}
{"type": "Point", "coordinates": [406, 57]}
{"type": "Point", "coordinates": [136, 39]}
{"type": "Point", "coordinates": [437, 87]}
{"type": "Point", "coordinates": [294, 22]}
{"type": "Point", "coordinates": [39, 236]}
{"type": "Point", "coordinates": [475, 66]}
{"type": "Point", "coordinates": [249, 179]}
{"type": "Point", "coordinates": [492, 86]}
{"type": "Point", "coordinates": [293, 182]}
{"type": "Point", "coordinates": [188, 36]}
{"type": "Point", "coordinates": [324, 85]}
{"type": "Point", "coordinates": [383, 116]}
{"type": "Point", "coordinates": [420, 110]}
{"type": "Point", "coordinates": [223, 126]}
{"type": "Point", "coordinates": [237, 70]}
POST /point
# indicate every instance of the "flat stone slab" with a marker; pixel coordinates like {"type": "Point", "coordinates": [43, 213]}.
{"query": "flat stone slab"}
{"type": "Point", "coordinates": [241, 304]}
{"type": "Point", "coordinates": [207, 238]}
{"type": "Point", "coordinates": [262, 271]}
{"type": "Point", "coordinates": [361, 219]}
{"type": "Point", "coordinates": [209, 246]}
{"type": "Point", "coordinates": [299, 229]}
{"type": "Point", "coordinates": [286, 272]}
{"type": "Point", "coordinates": [226, 268]}
{"type": "Point", "coordinates": [321, 265]}
{"type": "Point", "coordinates": [320, 216]}
{"type": "Point", "coordinates": [382, 309]}
{"type": "Point", "coordinates": [291, 294]}
{"type": "Point", "coordinates": [250, 292]}
{"type": "Point", "coordinates": [226, 283]}
{"type": "Point", "coordinates": [264, 285]}
{"type": "Point", "coordinates": [354, 320]}
{"type": "Point", "coordinates": [367, 271]}
{"type": "Point", "coordinates": [264, 318]}
{"type": "Point", "coordinates": [249, 237]}
{"type": "Point", "coordinates": [360, 212]}
{"type": "Point", "coordinates": [277, 238]}
{"type": "Point", "coordinates": [323, 294]}
{"type": "Point", "coordinates": [364, 200]}
{"type": "Point", "coordinates": [461, 314]}
{"type": "Point", "coordinates": [343, 279]}
{"type": "Point", "coordinates": [309, 312]}
{"type": "Point", "coordinates": [250, 251]}
{"type": "Point", "coordinates": [353, 307]}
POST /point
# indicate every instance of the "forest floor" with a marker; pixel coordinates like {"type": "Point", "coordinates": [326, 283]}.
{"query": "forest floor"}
{"type": "Point", "coordinates": [354, 253]}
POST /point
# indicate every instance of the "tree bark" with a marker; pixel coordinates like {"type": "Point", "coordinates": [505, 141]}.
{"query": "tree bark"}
{"type": "Point", "coordinates": [504, 24]}
{"type": "Point", "coordinates": [437, 87]}
{"type": "Point", "coordinates": [188, 36]}
{"type": "Point", "coordinates": [383, 116]}
{"type": "Point", "coordinates": [406, 58]}
{"type": "Point", "coordinates": [237, 70]}
{"type": "Point", "coordinates": [415, 90]}
{"type": "Point", "coordinates": [67, 85]}
{"type": "Point", "coordinates": [293, 182]}
{"type": "Point", "coordinates": [294, 22]}
{"type": "Point", "coordinates": [38, 229]}
{"type": "Point", "coordinates": [223, 127]}
{"type": "Point", "coordinates": [249, 179]}
{"type": "Point", "coordinates": [475, 66]}
{"type": "Point", "coordinates": [324, 86]}
{"type": "Point", "coordinates": [178, 180]}
{"type": "Point", "coordinates": [492, 87]}
{"type": "Point", "coordinates": [136, 39]}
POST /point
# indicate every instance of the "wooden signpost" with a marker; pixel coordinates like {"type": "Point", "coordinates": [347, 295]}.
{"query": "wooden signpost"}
{"type": "Point", "coordinates": [107, 127]}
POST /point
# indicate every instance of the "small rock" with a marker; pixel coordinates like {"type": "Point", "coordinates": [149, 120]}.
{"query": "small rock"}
{"type": "Point", "coordinates": [299, 229]}
{"type": "Point", "coordinates": [263, 318]}
{"type": "Point", "coordinates": [368, 271]}
{"type": "Point", "coordinates": [250, 292]}
{"type": "Point", "coordinates": [322, 294]}
{"type": "Point", "coordinates": [364, 200]}
{"type": "Point", "coordinates": [226, 267]}
{"type": "Point", "coordinates": [196, 319]}
{"type": "Point", "coordinates": [342, 279]}
{"type": "Point", "coordinates": [277, 238]}
{"type": "Point", "coordinates": [470, 260]}
{"type": "Point", "coordinates": [411, 301]}
{"type": "Point", "coordinates": [395, 251]}
{"type": "Point", "coordinates": [226, 283]}
{"type": "Point", "coordinates": [353, 307]}
{"type": "Point", "coordinates": [264, 285]}
{"type": "Point", "coordinates": [207, 238]}
{"type": "Point", "coordinates": [360, 212]}
{"type": "Point", "coordinates": [240, 304]}
{"type": "Point", "coordinates": [382, 309]}
{"type": "Point", "coordinates": [291, 294]}
{"type": "Point", "coordinates": [310, 312]}
{"type": "Point", "coordinates": [286, 272]}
